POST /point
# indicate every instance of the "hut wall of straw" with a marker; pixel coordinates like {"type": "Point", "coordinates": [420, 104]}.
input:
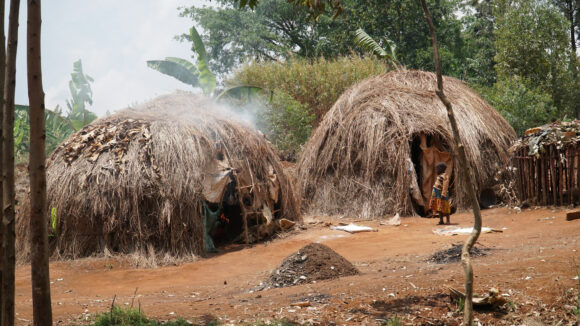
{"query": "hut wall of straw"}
{"type": "Point", "coordinates": [357, 162]}
{"type": "Point", "coordinates": [133, 181]}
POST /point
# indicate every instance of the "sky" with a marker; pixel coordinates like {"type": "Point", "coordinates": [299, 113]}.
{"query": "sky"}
{"type": "Point", "coordinates": [114, 39]}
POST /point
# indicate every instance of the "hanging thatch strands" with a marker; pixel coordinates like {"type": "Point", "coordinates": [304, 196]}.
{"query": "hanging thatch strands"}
{"type": "Point", "coordinates": [356, 162]}
{"type": "Point", "coordinates": [553, 148]}
{"type": "Point", "coordinates": [150, 178]}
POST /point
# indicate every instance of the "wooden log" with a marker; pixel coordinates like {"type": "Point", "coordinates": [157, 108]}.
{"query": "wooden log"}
{"type": "Point", "coordinates": [572, 216]}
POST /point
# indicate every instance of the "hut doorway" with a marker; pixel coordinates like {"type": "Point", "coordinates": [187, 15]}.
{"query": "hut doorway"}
{"type": "Point", "coordinates": [426, 152]}
{"type": "Point", "coordinates": [235, 201]}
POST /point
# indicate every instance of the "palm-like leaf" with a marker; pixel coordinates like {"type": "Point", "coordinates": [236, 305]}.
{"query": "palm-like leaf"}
{"type": "Point", "coordinates": [365, 41]}
{"type": "Point", "coordinates": [207, 79]}
{"type": "Point", "coordinates": [177, 68]}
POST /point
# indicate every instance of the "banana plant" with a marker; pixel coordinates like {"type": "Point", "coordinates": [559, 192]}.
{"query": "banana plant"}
{"type": "Point", "coordinates": [365, 41]}
{"type": "Point", "coordinates": [81, 94]}
{"type": "Point", "coordinates": [198, 75]}
{"type": "Point", "coordinates": [58, 128]}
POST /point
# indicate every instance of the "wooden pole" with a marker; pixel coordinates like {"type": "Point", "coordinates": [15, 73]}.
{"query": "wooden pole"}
{"type": "Point", "coordinates": [2, 82]}
{"type": "Point", "coordinates": [561, 176]}
{"type": "Point", "coordinates": [554, 174]}
{"type": "Point", "coordinates": [9, 257]}
{"type": "Point", "coordinates": [41, 303]}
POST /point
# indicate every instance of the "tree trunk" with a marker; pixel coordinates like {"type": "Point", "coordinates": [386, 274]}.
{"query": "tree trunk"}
{"type": "Point", "coordinates": [571, 10]}
{"type": "Point", "coordinates": [2, 82]}
{"type": "Point", "coordinates": [9, 261]}
{"type": "Point", "coordinates": [466, 171]}
{"type": "Point", "coordinates": [41, 305]}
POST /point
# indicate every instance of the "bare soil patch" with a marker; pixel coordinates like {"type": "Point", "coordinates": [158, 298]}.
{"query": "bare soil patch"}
{"type": "Point", "coordinates": [534, 261]}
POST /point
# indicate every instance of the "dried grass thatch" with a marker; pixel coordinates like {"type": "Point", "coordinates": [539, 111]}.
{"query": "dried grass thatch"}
{"type": "Point", "coordinates": [358, 160]}
{"type": "Point", "coordinates": [134, 181]}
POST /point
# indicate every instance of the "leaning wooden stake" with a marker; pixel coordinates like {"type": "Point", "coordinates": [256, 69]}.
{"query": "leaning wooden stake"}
{"type": "Point", "coordinates": [41, 303]}
{"type": "Point", "coordinates": [466, 171]}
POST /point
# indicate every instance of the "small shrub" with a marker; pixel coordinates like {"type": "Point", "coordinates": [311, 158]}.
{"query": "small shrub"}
{"type": "Point", "coordinates": [120, 316]}
{"type": "Point", "coordinates": [395, 321]}
{"type": "Point", "coordinates": [315, 83]}
{"type": "Point", "coordinates": [287, 123]}
{"type": "Point", "coordinates": [303, 91]}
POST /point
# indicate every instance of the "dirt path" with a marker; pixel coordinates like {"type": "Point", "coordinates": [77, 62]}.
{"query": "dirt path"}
{"type": "Point", "coordinates": [534, 260]}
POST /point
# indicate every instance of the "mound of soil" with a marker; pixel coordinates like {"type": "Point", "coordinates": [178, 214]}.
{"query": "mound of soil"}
{"type": "Point", "coordinates": [312, 262]}
{"type": "Point", "coordinates": [453, 254]}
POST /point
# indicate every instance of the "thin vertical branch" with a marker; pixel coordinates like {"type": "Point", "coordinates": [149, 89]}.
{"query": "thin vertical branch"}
{"type": "Point", "coordinates": [9, 255]}
{"type": "Point", "coordinates": [466, 171]}
{"type": "Point", "coordinates": [41, 303]}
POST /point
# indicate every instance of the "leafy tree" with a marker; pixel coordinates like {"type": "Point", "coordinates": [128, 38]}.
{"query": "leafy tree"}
{"type": "Point", "coordinates": [278, 30]}
{"type": "Point", "coordinates": [81, 95]}
{"type": "Point", "coordinates": [521, 106]}
{"type": "Point", "coordinates": [532, 43]}
{"type": "Point", "coordinates": [479, 43]}
{"type": "Point", "coordinates": [571, 11]}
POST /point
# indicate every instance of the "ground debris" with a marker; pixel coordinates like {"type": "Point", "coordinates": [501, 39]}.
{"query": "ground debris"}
{"type": "Point", "coordinates": [453, 254]}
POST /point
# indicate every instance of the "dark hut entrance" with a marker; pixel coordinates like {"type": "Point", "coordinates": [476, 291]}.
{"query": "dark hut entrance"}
{"type": "Point", "coordinates": [426, 152]}
{"type": "Point", "coordinates": [237, 205]}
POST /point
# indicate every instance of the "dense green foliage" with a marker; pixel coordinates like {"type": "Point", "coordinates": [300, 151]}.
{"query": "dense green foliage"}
{"type": "Point", "coordinates": [521, 106]}
{"type": "Point", "coordinates": [287, 123]}
{"type": "Point", "coordinates": [58, 128]}
{"type": "Point", "coordinates": [532, 43]}
{"type": "Point", "coordinates": [276, 29]}
{"type": "Point", "coordinates": [304, 90]}
{"type": "Point", "coordinates": [316, 83]}
{"type": "Point", "coordinates": [58, 125]}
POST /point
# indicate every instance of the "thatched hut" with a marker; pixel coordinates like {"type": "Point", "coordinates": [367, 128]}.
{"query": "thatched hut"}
{"type": "Point", "coordinates": [375, 150]}
{"type": "Point", "coordinates": [546, 162]}
{"type": "Point", "coordinates": [174, 176]}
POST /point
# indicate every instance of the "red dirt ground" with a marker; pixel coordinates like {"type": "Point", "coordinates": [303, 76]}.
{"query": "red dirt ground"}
{"type": "Point", "coordinates": [534, 260]}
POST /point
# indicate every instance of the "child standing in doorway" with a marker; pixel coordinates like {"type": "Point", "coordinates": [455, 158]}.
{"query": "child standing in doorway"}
{"type": "Point", "coordinates": [440, 194]}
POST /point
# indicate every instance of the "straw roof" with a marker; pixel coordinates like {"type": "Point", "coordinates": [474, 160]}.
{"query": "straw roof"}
{"type": "Point", "coordinates": [134, 181]}
{"type": "Point", "coordinates": [560, 133]}
{"type": "Point", "coordinates": [356, 162]}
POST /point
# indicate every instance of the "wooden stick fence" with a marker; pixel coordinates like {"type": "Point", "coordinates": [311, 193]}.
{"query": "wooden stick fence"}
{"type": "Point", "coordinates": [552, 178]}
